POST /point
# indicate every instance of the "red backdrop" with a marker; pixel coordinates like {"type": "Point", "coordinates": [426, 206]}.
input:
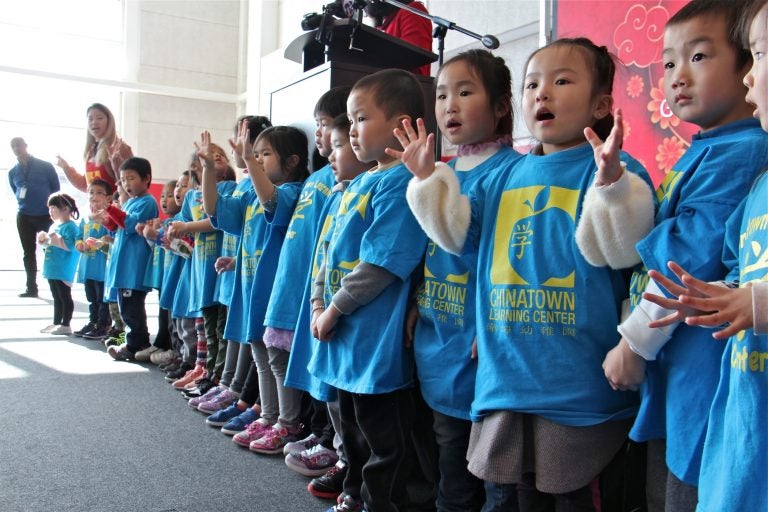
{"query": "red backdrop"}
{"type": "Point", "coordinates": [634, 32]}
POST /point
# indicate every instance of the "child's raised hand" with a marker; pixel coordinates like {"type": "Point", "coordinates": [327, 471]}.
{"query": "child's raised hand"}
{"type": "Point", "coordinates": [418, 152]}
{"type": "Point", "coordinates": [204, 148]}
{"type": "Point", "coordinates": [242, 143]}
{"type": "Point", "coordinates": [704, 304]}
{"type": "Point", "coordinates": [607, 154]}
{"type": "Point", "coordinates": [140, 228]}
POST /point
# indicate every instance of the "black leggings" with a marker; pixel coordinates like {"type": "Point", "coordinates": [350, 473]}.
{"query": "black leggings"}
{"type": "Point", "coordinates": [63, 307]}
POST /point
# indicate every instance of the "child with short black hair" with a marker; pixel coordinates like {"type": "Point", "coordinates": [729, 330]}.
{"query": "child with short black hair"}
{"type": "Point", "coordinates": [130, 252]}
{"type": "Point", "coordinates": [93, 263]}
{"type": "Point", "coordinates": [733, 462]}
{"type": "Point", "coordinates": [60, 260]}
{"type": "Point", "coordinates": [704, 65]}
{"type": "Point", "coordinates": [375, 247]}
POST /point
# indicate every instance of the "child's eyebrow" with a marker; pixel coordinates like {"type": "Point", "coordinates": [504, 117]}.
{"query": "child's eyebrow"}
{"type": "Point", "coordinates": [690, 44]}
{"type": "Point", "coordinates": [460, 83]}
{"type": "Point", "coordinates": [553, 72]}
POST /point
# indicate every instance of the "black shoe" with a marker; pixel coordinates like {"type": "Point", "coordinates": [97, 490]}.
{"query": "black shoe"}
{"type": "Point", "coordinates": [330, 485]}
{"type": "Point", "coordinates": [86, 328]}
{"type": "Point", "coordinates": [203, 386]}
{"type": "Point", "coordinates": [97, 333]}
{"type": "Point", "coordinates": [29, 294]}
{"type": "Point", "coordinates": [179, 372]}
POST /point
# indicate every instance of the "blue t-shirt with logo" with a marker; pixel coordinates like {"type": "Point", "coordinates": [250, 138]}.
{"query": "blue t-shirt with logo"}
{"type": "Point", "coordinates": [373, 225]}
{"type": "Point", "coordinates": [269, 236]}
{"type": "Point", "coordinates": [546, 318]}
{"type": "Point", "coordinates": [207, 249]}
{"type": "Point", "coordinates": [446, 300]}
{"type": "Point", "coordinates": [304, 344]}
{"type": "Point", "coordinates": [58, 263]}
{"type": "Point", "coordinates": [130, 252]}
{"type": "Point", "coordinates": [230, 247]}
{"type": "Point", "coordinates": [734, 462]}
{"type": "Point", "coordinates": [244, 216]}
{"type": "Point", "coordinates": [171, 274]}
{"type": "Point", "coordinates": [695, 199]}
{"type": "Point", "coordinates": [92, 263]}
{"type": "Point", "coordinates": [296, 254]}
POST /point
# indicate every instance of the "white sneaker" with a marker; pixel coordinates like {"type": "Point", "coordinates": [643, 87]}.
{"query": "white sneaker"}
{"type": "Point", "coordinates": [162, 357]}
{"type": "Point", "coordinates": [48, 329]}
{"type": "Point", "coordinates": [61, 330]}
{"type": "Point", "coordinates": [144, 355]}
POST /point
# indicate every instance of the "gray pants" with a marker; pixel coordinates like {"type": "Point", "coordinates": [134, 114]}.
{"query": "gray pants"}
{"type": "Point", "coordinates": [185, 328]}
{"type": "Point", "coordinates": [236, 366]}
{"type": "Point", "coordinates": [664, 491]}
{"type": "Point", "coordinates": [289, 398]}
{"type": "Point", "coordinates": [270, 409]}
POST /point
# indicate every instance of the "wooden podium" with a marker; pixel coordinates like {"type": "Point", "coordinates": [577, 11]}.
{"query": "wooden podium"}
{"type": "Point", "coordinates": [353, 51]}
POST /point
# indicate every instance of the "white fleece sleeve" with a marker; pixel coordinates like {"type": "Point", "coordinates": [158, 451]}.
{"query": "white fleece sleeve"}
{"type": "Point", "coordinates": [643, 340]}
{"type": "Point", "coordinates": [614, 218]}
{"type": "Point", "coordinates": [760, 307]}
{"type": "Point", "coordinates": [442, 212]}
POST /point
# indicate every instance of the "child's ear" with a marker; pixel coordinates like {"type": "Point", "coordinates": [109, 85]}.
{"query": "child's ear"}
{"type": "Point", "coordinates": [603, 106]}
{"type": "Point", "coordinates": [292, 162]}
{"type": "Point", "coordinates": [401, 119]}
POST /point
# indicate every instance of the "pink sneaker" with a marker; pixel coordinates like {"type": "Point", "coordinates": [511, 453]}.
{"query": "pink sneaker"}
{"type": "Point", "coordinates": [313, 462]}
{"type": "Point", "coordinates": [215, 390]}
{"type": "Point", "coordinates": [274, 440]}
{"type": "Point", "coordinates": [220, 401]}
{"type": "Point", "coordinates": [252, 432]}
{"type": "Point", "coordinates": [191, 376]}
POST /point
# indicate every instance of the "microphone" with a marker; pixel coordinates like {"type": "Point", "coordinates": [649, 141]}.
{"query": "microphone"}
{"type": "Point", "coordinates": [490, 42]}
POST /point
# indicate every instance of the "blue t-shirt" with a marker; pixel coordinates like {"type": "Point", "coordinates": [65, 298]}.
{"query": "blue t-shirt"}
{"type": "Point", "coordinates": [304, 344]}
{"type": "Point", "coordinates": [244, 216]}
{"type": "Point", "coordinates": [373, 225]}
{"type": "Point", "coordinates": [173, 265]}
{"type": "Point", "coordinates": [182, 291]}
{"type": "Point", "coordinates": [230, 247]}
{"type": "Point", "coordinates": [60, 264]}
{"type": "Point", "coordinates": [296, 254]}
{"type": "Point", "coordinates": [695, 199]}
{"type": "Point", "coordinates": [153, 277]}
{"type": "Point", "coordinates": [545, 317]}
{"type": "Point", "coordinates": [92, 263]}
{"type": "Point", "coordinates": [130, 252]}
{"type": "Point", "coordinates": [446, 328]}
{"type": "Point", "coordinates": [207, 249]}
{"type": "Point", "coordinates": [269, 239]}
{"type": "Point", "coordinates": [734, 464]}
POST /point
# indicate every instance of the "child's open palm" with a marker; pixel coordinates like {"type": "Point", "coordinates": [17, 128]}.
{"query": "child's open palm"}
{"type": "Point", "coordinates": [418, 152]}
{"type": "Point", "coordinates": [204, 148]}
{"type": "Point", "coordinates": [607, 154]}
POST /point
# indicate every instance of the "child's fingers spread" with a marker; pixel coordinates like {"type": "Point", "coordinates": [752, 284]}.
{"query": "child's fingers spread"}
{"type": "Point", "coordinates": [394, 153]}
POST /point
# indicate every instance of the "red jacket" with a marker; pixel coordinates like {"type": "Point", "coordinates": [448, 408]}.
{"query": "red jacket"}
{"type": "Point", "coordinates": [411, 28]}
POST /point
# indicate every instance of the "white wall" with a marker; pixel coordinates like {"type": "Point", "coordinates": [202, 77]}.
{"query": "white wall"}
{"type": "Point", "coordinates": [190, 52]}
